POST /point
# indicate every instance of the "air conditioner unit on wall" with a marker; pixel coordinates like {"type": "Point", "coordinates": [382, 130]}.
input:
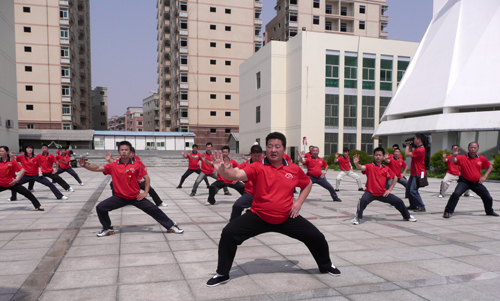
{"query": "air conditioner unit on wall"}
{"type": "Point", "coordinates": [9, 123]}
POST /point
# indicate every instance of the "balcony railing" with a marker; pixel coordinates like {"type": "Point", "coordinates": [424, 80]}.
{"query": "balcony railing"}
{"type": "Point", "coordinates": [64, 2]}
{"type": "Point", "coordinates": [184, 86]}
{"type": "Point", "coordinates": [258, 38]}
{"type": "Point", "coordinates": [183, 32]}
{"type": "Point", "coordinates": [183, 14]}
{"type": "Point", "coordinates": [384, 34]}
{"type": "Point", "coordinates": [63, 21]}
{"type": "Point", "coordinates": [65, 80]}
{"type": "Point", "coordinates": [258, 21]}
{"type": "Point", "coordinates": [384, 18]}
{"type": "Point", "coordinates": [258, 4]}
{"type": "Point", "coordinates": [64, 41]}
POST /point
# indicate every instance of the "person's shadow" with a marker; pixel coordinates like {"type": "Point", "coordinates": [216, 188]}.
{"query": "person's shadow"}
{"type": "Point", "coordinates": [265, 266]}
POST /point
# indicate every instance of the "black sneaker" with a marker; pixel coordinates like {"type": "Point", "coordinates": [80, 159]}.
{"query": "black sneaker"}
{"type": "Point", "coordinates": [227, 193]}
{"type": "Point", "coordinates": [337, 200]}
{"type": "Point", "coordinates": [361, 189]}
{"type": "Point", "coordinates": [446, 214]}
{"type": "Point", "coordinates": [333, 271]}
{"type": "Point", "coordinates": [192, 194]}
{"type": "Point", "coordinates": [216, 280]}
{"type": "Point", "coordinates": [178, 187]}
{"type": "Point", "coordinates": [106, 232]}
{"type": "Point", "coordinates": [337, 189]}
{"type": "Point", "coordinates": [492, 213]}
{"type": "Point", "coordinates": [421, 209]}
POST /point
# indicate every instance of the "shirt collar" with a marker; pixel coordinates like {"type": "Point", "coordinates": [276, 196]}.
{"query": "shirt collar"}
{"type": "Point", "coordinates": [266, 161]}
{"type": "Point", "coordinates": [131, 161]}
{"type": "Point", "coordinates": [381, 165]}
{"type": "Point", "coordinates": [8, 159]}
{"type": "Point", "coordinates": [468, 156]}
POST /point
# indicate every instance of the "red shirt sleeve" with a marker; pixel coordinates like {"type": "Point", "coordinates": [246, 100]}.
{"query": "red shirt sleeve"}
{"type": "Point", "coordinates": [107, 169]}
{"type": "Point", "coordinates": [404, 164]}
{"type": "Point", "coordinates": [304, 180]}
{"type": "Point", "coordinates": [251, 170]}
{"type": "Point", "coordinates": [368, 167]}
{"type": "Point", "coordinates": [306, 162]}
{"type": "Point", "coordinates": [141, 172]}
{"type": "Point", "coordinates": [486, 163]}
{"type": "Point", "coordinates": [324, 163]}
{"type": "Point", "coordinates": [390, 173]}
{"type": "Point", "coordinates": [17, 166]}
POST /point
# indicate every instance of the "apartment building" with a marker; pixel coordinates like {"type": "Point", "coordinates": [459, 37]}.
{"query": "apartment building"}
{"type": "Point", "coordinates": [207, 42]}
{"type": "Point", "coordinates": [53, 64]}
{"type": "Point", "coordinates": [134, 119]}
{"type": "Point", "coordinates": [116, 123]}
{"type": "Point", "coordinates": [365, 18]}
{"type": "Point", "coordinates": [151, 113]}
{"type": "Point", "coordinates": [163, 38]}
{"type": "Point", "coordinates": [100, 108]}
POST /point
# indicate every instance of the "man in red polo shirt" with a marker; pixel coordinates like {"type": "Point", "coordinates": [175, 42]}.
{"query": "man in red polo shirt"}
{"type": "Point", "coordinates": [46, 160]}
{"type": "Point", "coordinates": [194, 158]}
{"type": "Point", "coordinates": [222, 182]}
{"type": "Point", "coordinates": [417, 170]}
{"type": "Point", "coordinates": [125, 174]}
{"type": "Point", "coordinates": [316, 173]}
{"type": "Point", "coordinates": [377, 175]}
{"type": "Point", "coordinates": [346, 170]}
{"type": "Point", "coordinates": [273, 208]}
{"type": "Point", "coordinates": [452, 172]}
{"type": "Point", "coordinates": [207, 170]}
{"type": "Point", "coordinates": [396, 163]}
{"type": "Point", "coordinates": [310, 153]}
{"type": "Point", "coordinates": [470, 178]}
{"type": "Point", "coordinates": [65, 165]}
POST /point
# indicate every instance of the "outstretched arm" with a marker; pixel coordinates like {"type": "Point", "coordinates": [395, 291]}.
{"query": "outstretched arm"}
{"type": "Point", "coordinates": [355, 158]}
{"type": "Point", "coordinates": [95, 168]}
{"type": "Point", "coordinates": [226, 170]}
{"type": "Point", "coordinates": [336, 158]}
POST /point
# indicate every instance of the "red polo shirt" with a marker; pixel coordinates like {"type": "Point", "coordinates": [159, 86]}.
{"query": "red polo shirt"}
{"type": "Point", "coordinates": [8, 171]}
{"type": "Point", "coordinates": [287, 158]}
{"type": "Point", "coordinates": [234, 164]}
{"type": "Point", "coordinates": [273, 189]}
{"type": "Point", "coordinates": [315, 166]}
{"type": "Point", "coordinates": [30, 164]}
{"type": "Point", "coordinates": [452, 167]}
{"type": "Point", "coordinates": [418, 161]}
{"type": "Point", "coordinates": [46, 162]}
{"type": "Point", "coordinates": [125, 177]}
{"type": "Point", "coordinates": [396, 165]}
{"type": "Point", "coordinates": [376, 178]}
{"type": "Point", "coordinates": [62, 164]}
{"type": "Point", "coordinates": [248, 184]}
{"type": "Point", "coordinates": [207, 168]}
{"type": "Point", "coordinates": [193, 163]}
{"type": "Point", "coordinates": [307, 155]}
{"type": "Point", "coordinates": [470, 167]}
{"type": "Point", "coordinates": [344, 163]}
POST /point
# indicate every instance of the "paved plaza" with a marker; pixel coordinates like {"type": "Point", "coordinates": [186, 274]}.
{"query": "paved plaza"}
{"type": "Point", "coordinates": [55, 255]}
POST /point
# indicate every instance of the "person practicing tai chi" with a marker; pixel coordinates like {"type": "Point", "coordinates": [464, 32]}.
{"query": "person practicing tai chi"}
{"type": "Point", "coordinates": [9, 180]}
{"type": "Point", "coordinates": [470, 178]}
{"type": "Point", "coordinates": [142, 185]}
{"type": "Point", "coordinates": [396, 163]}
{"type": "Point", "coordinates": [273, 208]}
{"type": "Point", "coordinates": [207, 170]}
{"type": "Point", "coordinates": [310, 153]}
{"type": "Point", "coordinates": [33, 172]}
{"type": "Point", "coordinates": [126, 173]}
{"type": "Point", "coordinates": [377, 175]}
{"type": "Point", "coordinates": [346, 169]}
{"type": "Point", "coordinates": [46, 161]}
{"type": "Point", "coordinates": [65, 165]}
{"type": "Point", "coordinates": [245, 201]}
{"type": "Point", "coordinates": [314, 166]}
{"type": "Point", "coordinates": [452, 172]}
{"type": "Point", "coordinates": [222, 182]}
{"type": "Point", "coordinates": [194, 157]}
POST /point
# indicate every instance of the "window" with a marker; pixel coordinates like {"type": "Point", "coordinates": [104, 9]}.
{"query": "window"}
{"type": "Point", "coordinates": [63, 13]}
{"type": "Point", "coordinates": [26, 9]}
{"type": "Point", "coordinates": [213, 96]}
{"type": "Point", "coordinates": [257, 78]}
{"type": "Point", "coordinates": [257, 47]}
{"type": "Point", "coordinates": [103, 103]}
{"type": "Point", "coordinates": [139, 123]}
{"type": "Point", "coordinates": [228, 45]}
{"type": "Point", "coordinates": [103, 113]}
{"type": "Point", "coordinates": [28, 68]}
{"type": "Point", "coordinates": [183, 59]}
{"type": "Point", "coordinates": [362, 9]}
{"type": "Point", "coordinates": [213, 62]}
{"type": "Point", "coordinates": [29, 107]}
{"type": "Point", "coordinates": [228, 97]}
{"type": "Point", "coordinates": [362, 25]}
{"type": "Point", "coordinates": [27, 29]}
{"type": "Point", "coordinates": [66, 91]}
{"type": "Point", "coordinates": [332, 71]}
{"type": "Point", "coordinates": [367, 143]}
{"type": "Point", "coordinates": [384, 102]}
{"type": "Point", "coordinates": [213, 131]}
{"type": "Point", "coordinates": [316, 3]}
{"type": "Point", "coordinates": [67, 126]}
{"type": "Point", "coordinates": [328, 25]}
{"type": "Point", "coordinates": [343, 10]}
{"type": "Point", "coordinates": [227, 131]}
{"type": "Point", "coordinates": [30, 126]}
{"type": "Point", "coordinates": [64, 51]}
{"type": "Point", "coordinates": [403, 63]}
{"type": "Point", "coordinates": [65, 71]}
{"type": "Point", "coordinates": [228, 28]}
{"type": "Point", "coordinates": [350, 108]}
{"type": "Point", "coordinates": [184, 78]}
{"type": "Point", "coordinates": [183, 24]}
{"type": "Point", "coordinates": [183, 42]}
{"type": "Point", "coordinates": [213, 44]}
{"type": "Point", "coordinates": [227, 114]}
{"type": "Point", "coordinates": [183, 113]}
{"type": "Point", "coordinates": [257, 114]}
{"type": "Point", "coordinates": [331, 140]}
{"type": "Point", "coordinates": [27, 48]}
{"type": "Point", "coordinates": [331, 110]}
{"type": "Point", "coordinates": [184, 128]}
{"type": "Point", "coordinates": [328, 9]}
{"type": "Point", "coordinates": [64, 33]}
{"type": "Point", "coordinates": [227, 80]}
{"type": "Point", "coordinates": [139, 130]}
{"type": "Point", "coordinates": [228, 11]}
{"type": "Point", "coordinates": [28, 88]}
{"type": "Point", "coordinates": [258, 12]}
{"type": "Point", "coordinates": [386, 74]}
{"type": "Point", "coordinates": [292, 17]}
{"type": "Point", "coordinates": [368, 112]}
{"type": "Point", "coordinates": [213, 113]}
{"type": "Point", "coordinates": [228, 63]}
{"type": "Point", "coordinates": [293, 2]}
{"type": "Point", "coordinates": [103, 124]}
{"type": "Point", "coordinates": [343, 27]}
{"type": "Point", "coordinates": [293, 32]}
{"type": "Point", "coordinates": [183, 95]}
{"type": "Point", "coordinates": [316, 20]}
{"type": "Point", "coordinates": [350, 72]}
{"type": "Point", "coordinates": [213, 9]}
{"type": "Point", "coordinates": [213, 26]}
{"type": "Point", "coordinates": [213, 79]}
{"type": "Point", "coordinates": [183, 6]}
{"type": "Point", "coordinates": [350, 141]}
{"type": "Point", "coordinates": [66, 110]}
{"type": "Point", "coordinates": [368, 73]}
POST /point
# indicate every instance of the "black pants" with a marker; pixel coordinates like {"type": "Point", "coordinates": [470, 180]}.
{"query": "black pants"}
{"type": "Point", "coordinates": [245, 201]}
{"type": "Point", "coordinates": [23, 191]}
{"type": "Point", "coordinates": [71, 172]}
{"type": "Point", "coordinates": [38, 179]}
{"type": "Point", "coordinates": [367, 198]}
{"type": "Point", "coordinates": [142, 186]}
{"type": "Point", "coordinates": [478, 188]}
{"type": "Point", "coordinates": [145, 205]}
{"type": "Point", "coordinates": [250, 224]}
{"type": "Point", "coordinates": [189, 172]}
{"type": "Point", "coordinates": [55, 178]}
{"type": "Point", "coordinates": [217, 185]}
{"type": "Point", "coordinates": [323, 182]}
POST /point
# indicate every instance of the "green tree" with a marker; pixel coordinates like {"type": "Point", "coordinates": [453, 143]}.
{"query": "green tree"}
{"type": "Point", "coordinates": [364, 158]}
{"type": "Point", "coordinates": [436, 163]}
{"type": "Point", "coordinates": [496, 162]}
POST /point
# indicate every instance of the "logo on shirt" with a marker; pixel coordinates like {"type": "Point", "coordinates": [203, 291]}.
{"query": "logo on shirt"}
{"type": "Point", "coordinates": [289, 176]}
{"type": "Point", "coordinates": [479, 163]}
{"type": "Point", "coordinates": [129, 173]}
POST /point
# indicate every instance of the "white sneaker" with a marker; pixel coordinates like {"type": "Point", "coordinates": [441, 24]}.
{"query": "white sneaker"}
{"type": "Point", "coordinates": [469, 194]}
{"type": "Point", "coordinates": [81, 184]}
{"type": "Point", "coordinates": [412, 219]}
{"type": "Point", "coordinates": [71, 189]}
{"type": "Point", "coordinates": [207, 203]}
{"type": "Point", "coordinates": [8, 200]}
{"type": "Point", "coordinates": [440, 196]}
{"type": "Point", "coordinates": [64, 197]}
{"type": "Point", "coordinates": [175, 229]}
{"type": "Point", "coordinates": [164, 204]}
{"type": "Point", "coordinates": [355, 221]}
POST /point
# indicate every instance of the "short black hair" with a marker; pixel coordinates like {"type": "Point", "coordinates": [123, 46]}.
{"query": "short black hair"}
{"type": "Point", "coordinates": [255, 149]}
{"type": "Point", "coordinates": [346, 149]}
{"type": "Point", "coordinates": [44, 144]}
{"type": "Point", "coordinates": [226, 147]}
{"type": "Point", "coordinates": [379, 149]}
{"type": "Point", "coordinates": [195, 145]}
{"type": "Point", "coordinates": [395, 149]}
{"type": "Point", "coordinates": [454, 146]}
{"type": "Point", "coordinates": [62, 147]}
{"type": "Point", "coordinates": [395, 145]}
{"type": "Point", "coordinates": [209, 143]}
{"type": "Point", "coordinates": [31, 146]}
{"type": "Point", "coordinates": [276, 135]}
{"type": "Point", "coordinates": [132, 149]}
{"type": "Point", "coordinates": [125, 142]}
{"type": "Point", "coordinates": [473, 142]}
{"type": "Point", "coordinates": [6, 148]}
{"type": "Point", "coordinates": [423, 138]}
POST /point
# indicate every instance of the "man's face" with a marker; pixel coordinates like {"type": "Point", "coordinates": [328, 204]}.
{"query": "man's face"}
{"type": "Point", "coordinates": [378, 157]}
{"type": "Point", "coordinates": [45, 149]}
{"type": "Point", "coordinates": [63, 151]}
{"type": "Point", "coordinates": [311, 149]}
{"type": "Point", "coordinates": [275, 150]}
{"type": "Point", "coordinates": [455, 149]}
{"type": "Point", "coordinates": [315, 152]}
{"type": "Point", "coordinates": [209, 148]}
{"type": "Point", "coordinates": [131, 155]}
{"type": "Point", "coordinates": [346, 154]}
{"type": "Point", "coordinates": [417, 141]}
{"type": "Point", "coordinates": [397, 153]}
{"type": "Point", "coordinates": [195, 149]}
{"type": "Point", "coordinates": [473, 148]}
{"type": "Point", "coordinates": [225, 153]}
{"type": "Point", "coordinates": [124, 151]}
{"type": "Point", "coordinates": [256, 156]}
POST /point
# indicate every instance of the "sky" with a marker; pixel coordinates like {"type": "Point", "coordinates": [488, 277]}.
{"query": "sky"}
{"type": "Point", "coordinates": [123, 41]}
